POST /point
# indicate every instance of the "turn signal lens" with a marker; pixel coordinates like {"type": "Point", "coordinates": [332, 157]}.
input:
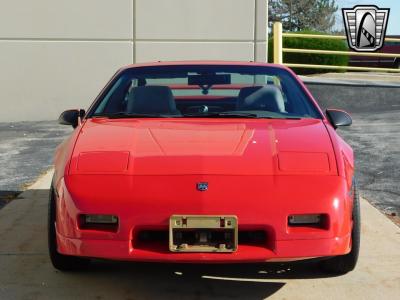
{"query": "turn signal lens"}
{"type": "Point", "coordinates": [99, 222]}
{"type": "Point", "coordinates": [313, 219]}
{"type": "Point", "coordinates": [100, 219]}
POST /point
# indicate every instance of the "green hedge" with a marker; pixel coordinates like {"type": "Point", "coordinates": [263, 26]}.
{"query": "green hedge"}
{"type": "Point", "coordinates": [317, 59]}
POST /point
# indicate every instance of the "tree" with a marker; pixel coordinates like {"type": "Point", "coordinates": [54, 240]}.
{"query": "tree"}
{"type": "Point", "coordinates": [296, 15]}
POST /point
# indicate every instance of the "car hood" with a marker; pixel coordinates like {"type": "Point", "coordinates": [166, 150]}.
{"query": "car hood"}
{"type": "Point", "coordinates": [203, 146]}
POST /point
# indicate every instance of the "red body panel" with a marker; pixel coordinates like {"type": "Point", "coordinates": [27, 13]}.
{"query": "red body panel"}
{"type": "Point", "coordinates": [260, 170]}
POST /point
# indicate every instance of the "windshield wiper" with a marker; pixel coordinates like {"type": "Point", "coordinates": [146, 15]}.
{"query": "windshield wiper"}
{"type": "Point", "coordinates": [226, 114]}
{"type": "Point", "coordinates": [232, 114]}
{"type": "Point", "coordinates": [222, 115]}
{"type": "Point", "coordinates": [285, 118]}
{"type": "Point", "coordinates": [120, 115]}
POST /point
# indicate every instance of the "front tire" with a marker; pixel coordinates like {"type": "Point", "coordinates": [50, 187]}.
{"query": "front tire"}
{"type": "Point", "coordinates": [345, 263]}
{"type": "Point", "coordinates": [60, 261]}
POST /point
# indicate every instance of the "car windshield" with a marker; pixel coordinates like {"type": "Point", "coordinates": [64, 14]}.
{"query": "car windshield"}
{"type": "Point", "coordinates": [204, 91]}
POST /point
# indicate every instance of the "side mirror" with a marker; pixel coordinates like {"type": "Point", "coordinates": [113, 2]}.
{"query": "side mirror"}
{"type": "Point", "coordinates": [338, 118]}
{"type": "Point", "coordinates": [71, 117]}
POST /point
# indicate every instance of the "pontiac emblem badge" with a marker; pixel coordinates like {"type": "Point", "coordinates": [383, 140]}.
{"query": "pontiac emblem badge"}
{"type": "Point", "coordinates": [202, 186]}
{"type": "Point", "coordinates": [365, 27]}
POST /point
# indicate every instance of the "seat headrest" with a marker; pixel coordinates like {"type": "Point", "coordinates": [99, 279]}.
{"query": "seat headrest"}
{"type": "Point", "coordinates": [268, 97]}
{"type": "Point", "coordinates": [244, 93]}
{"type": "Point", "coordinates": [151, 99]}
{"type": "Point", "coordinates": [248, 90]}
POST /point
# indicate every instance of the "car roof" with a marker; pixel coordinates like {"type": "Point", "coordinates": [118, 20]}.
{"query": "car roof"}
{"type": "Point", "coordinates": [203, 62]}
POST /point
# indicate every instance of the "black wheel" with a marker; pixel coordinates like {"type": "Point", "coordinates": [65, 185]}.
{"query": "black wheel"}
{"type": "Point", "coordinates": [60, 261]}
{"type": "Point", "coordinates": [346, 263]}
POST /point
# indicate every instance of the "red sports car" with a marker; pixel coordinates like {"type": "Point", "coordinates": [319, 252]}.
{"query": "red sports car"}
{"type": "Point", "coordinates": [204, 162]}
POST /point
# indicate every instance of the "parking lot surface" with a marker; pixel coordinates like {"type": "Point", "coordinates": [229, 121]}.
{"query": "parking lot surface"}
{"type": "Point", "coordinates": [26, 150]}
{"type": "Point", "coordinates": [375, 138]}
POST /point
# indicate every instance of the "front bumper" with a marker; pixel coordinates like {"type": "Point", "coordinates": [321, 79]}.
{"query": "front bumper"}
{"type": "Point", "coordinates": [285, 251]}
{"type": "Point", "coordinates": [259, 202]}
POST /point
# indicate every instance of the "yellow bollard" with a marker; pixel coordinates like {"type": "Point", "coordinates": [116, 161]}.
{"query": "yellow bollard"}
{"type": "Point", "coordinates": [277, 28]}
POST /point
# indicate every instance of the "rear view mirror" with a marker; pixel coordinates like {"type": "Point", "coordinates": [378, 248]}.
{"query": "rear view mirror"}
{"type": "Point", "coordinates": [71, 117]}
{"type": "Point", "coordinates": [209, 79]}
{"type": "Point", "coordinates": [338, 118]}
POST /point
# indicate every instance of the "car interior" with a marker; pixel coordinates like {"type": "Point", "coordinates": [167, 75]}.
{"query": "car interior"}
{"type": "Point", "coordinates": [251, 98]}
{"type": "Point", "coordinates": [206, 94]}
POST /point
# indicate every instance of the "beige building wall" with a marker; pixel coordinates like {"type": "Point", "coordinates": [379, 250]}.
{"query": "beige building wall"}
{"type": "Point", "coordinates": [58, 54]}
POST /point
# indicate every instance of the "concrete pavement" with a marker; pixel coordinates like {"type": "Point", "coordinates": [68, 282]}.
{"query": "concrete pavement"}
{"type": "Point", "coordinates": [26, 150]}
{"type": "Point", "coordinates": [375, 138]}
{"type": "Point", "coordinates": [26, 273]}
{"type": "Point", "coordinates": [360, 77]}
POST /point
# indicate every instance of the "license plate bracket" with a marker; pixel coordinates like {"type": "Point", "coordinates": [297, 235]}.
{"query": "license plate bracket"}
{"type": "Point", "coordinates": [200, 233]}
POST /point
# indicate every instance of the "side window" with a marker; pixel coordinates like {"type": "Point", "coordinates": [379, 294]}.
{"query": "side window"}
{"type": "Point", "coordinates": [295, 101]}
{"type": "Point", "coordinates": [106, 100]}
